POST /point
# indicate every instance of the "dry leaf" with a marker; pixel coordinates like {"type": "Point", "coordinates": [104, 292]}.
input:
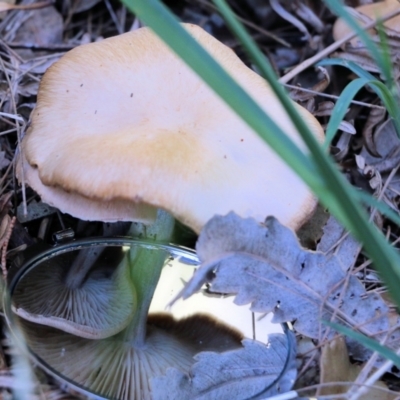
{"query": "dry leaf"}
{"type": "Point", "coordinates": [341, 148]}
{"type": "Point", "coordinates": [4, 161]}
{"type": "Point", "coordinates": [375, 116]}
{"type": "Point", "coordinates": [77, 6]}
{"type": "Point", "coordinates": [387, 144]}
{"type": "Point", "coordinates": [264, 265]}
{"type": "Point", "coordinates": [237, 374]}
{"type": "Point", "coordinates": [337, 241]}
{"type": "Point", "coordinates": [41, 28]}
{"type": "Point", "coordinates": [348, 127]}
{"type": "Point", "coordinates": [336, 367]}
{"type": "Point", "coordinates": [324, 109]}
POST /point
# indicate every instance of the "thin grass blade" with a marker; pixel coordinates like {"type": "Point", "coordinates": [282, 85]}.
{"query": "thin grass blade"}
{"type": "Point", "coordinates": [341, 108]}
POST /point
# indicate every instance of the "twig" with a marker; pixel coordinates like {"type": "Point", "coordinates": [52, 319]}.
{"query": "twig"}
{"type": "Point", "coordinates": [36, 6]}
{"type": "Point", "coordinates": [331, 96]}
{"type": "Point", "coordinates": [372, 379]}
{"type": "Point", "coordinates": [5, 246]}
{"type": "Point", "coordinates": [12, 98]}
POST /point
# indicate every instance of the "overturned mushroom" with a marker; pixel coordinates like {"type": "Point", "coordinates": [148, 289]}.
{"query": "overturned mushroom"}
{"type": "Point", "coordinates": [76, 295]}
{"type": "Point", "coordinates": [101, 306]}
{"type": "Point", "coordinates": [116, 369]}
{"type": "Point", "coordinates": [137, 128]}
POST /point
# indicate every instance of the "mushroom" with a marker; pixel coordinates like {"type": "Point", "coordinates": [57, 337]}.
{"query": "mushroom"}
{"type": "Point", "coordinates": [367, 13]}
{"type": "Point", "coordinates": [123, 125]}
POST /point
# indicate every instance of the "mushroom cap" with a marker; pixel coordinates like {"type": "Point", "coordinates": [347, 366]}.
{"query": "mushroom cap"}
{"type": "Point", "coordinates": [114, 368]}
{"type": "Point", "coordinates": [125, 120]}
{"type": "Point", "coordinates": [101, 307]}
{"type": "Point", "coordinates": [373, 11]}
{"type": "Point", "coordinates": [82, 207]}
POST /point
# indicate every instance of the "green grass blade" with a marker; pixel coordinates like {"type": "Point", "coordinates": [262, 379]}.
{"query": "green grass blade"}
{"type": "Point", "coordinates": [385, 94]}
{"type": "Point", "coordinates": [332, 188]}
{"type": "Point", "coordinates": [383, 208]}
{"type": "Point", "coordinates": [352, 66]}
{"type": "Point", "coordinates": [366, 342]}
{"type": "Point", "coordinates": [341, 108]}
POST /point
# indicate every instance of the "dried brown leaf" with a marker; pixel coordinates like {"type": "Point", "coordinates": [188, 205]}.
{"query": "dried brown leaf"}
{"type": "Point", "coordinates": [324, 109]}
{"type": "Point", "coordinates": [375, 116]}
{"type": "Point", "coordinates": [336, 367]}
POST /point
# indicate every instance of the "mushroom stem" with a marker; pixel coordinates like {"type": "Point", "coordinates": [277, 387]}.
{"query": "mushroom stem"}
{"type": "Point", "coordinates": [146, 266]}
{"type": "Point", "coordinates": [145, 273]}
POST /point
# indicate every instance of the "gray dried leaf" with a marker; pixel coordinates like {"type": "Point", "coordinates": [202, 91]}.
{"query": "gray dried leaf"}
{"type": "Point", "coordinates": [253, 371]}
{"type": "Point", "coordinates": [337, 241]}
{"type": "Point", "coordinates": [348, 127]}
{"type": "Point", "coordinates": [324, 109]}
{"type": "Point", "coordinates": [289, 17]}
{"type": "Point", "coordinates": [387, 144]}
{"type": "Point", "coordinates": [29, 89]}
{"type": "Point", "coordinates": [341, 147]}
{"type": "Point", "coordinates": [83, 5]}
{"type": "Point", "coordinates": [375, 116]}
{"type": "Point", "coordinates": [4, 162]}
{"type": "Point", "coordinates": [39, 65]}
{"type": "Point", "coordinates": [263, 264]}
{"type": "Point", "coordinates": [363, 60]}
{"type": "Point", "coordinates": [41, 27]}
{"type": "Point", "coordinates": [308, 15]}
{"type": "Point", "coordinates": [360, 161]}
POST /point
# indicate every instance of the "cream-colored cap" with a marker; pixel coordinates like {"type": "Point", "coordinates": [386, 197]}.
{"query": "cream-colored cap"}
{"type": "Point", "coordinates": [125, 121]}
